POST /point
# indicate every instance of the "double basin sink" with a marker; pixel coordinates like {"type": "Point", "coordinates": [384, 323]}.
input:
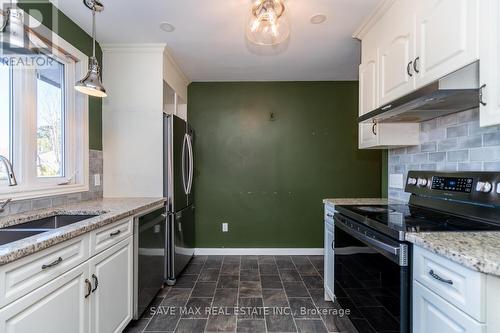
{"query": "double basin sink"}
{"type": "Point", "coordinates": [31, 228]}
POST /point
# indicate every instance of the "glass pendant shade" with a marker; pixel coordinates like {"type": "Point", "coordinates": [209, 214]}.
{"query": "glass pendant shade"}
{"type": "Point", "coordinates": [91, 84]}
{"type": "Point", "coordinates": [268, 23]}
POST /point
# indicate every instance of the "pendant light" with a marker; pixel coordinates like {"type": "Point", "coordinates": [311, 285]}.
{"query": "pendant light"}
{"type": "Point", "coordinates": [268, 23]}
{"type": "Point", "coordinates": [91, 84]}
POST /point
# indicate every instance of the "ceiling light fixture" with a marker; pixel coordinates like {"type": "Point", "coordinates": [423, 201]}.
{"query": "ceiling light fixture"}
{"type": "Point", "coordinates": [268, 24]}
{"type": "Point", "coordinates": [318, 19]}
{"type": "Point", "coordinates": [91, 84]}
{"type": "Point", "coordinates": [167, 27]}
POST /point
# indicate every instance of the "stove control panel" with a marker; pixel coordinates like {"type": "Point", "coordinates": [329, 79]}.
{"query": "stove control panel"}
{"type": "Point", "coordinates": [454, 184]}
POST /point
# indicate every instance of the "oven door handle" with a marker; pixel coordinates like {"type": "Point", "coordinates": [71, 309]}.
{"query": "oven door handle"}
{"type": "Point", "coordinates": [395, 250]}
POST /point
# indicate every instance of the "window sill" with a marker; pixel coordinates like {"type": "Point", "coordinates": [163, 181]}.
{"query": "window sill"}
{"type": "Point", "coordinates": [21, 194]}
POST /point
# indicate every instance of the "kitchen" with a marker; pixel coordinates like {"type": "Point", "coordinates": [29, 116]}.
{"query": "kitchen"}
{"type": "Point", "coordinates": [250, 166]}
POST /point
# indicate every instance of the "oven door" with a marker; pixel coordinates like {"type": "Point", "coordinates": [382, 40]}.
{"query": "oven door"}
{"type": "Point", "coordinates": [372, 277]}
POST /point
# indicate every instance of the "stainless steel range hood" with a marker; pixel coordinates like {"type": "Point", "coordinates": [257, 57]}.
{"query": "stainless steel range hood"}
{"type": "Point", "coordinates": [453, 93]}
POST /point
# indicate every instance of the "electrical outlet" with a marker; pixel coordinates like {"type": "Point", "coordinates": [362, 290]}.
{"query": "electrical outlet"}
{"type": "Point", "coordinates": [225, 227]}
{"type": "Point", "coordinates": [396, 181]}
{"type": "Point", "coordinates": [97, 179]}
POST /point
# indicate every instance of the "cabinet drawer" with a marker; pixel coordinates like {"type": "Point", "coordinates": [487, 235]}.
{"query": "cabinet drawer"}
{"type": "Point", "coordinates": [462, 287]}
{"type": "Point", "coordinates": [431, 313]}
{"type": "Point", "coordinates": [107, 236]}
{"type": "Point", "coordinates": [27, 274]}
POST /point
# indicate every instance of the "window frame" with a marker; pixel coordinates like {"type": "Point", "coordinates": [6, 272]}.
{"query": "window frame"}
{"type": "Point", "coordinates": [24, 126]}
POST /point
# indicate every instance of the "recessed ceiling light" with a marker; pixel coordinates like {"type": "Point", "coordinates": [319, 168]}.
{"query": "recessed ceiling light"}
{"type": "Point", "coordinates": [318, 19]}
{"type": "Point", "coordinates": [167, 27]}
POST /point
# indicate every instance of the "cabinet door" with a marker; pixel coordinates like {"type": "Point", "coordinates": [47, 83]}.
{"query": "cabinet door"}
{"type": "Point", "coordinates": [432, 313]}
{"type": "Point", "coordinates": [368, 94]}
{"type": "Point", "coordinates": [447, 35]}
{"type": "Point", "coordinates": [367, 136]}
{"type": "Point", "coordinates": [490, 62]}
{"type": "Point", "coordinates": [59, 306]}
{"type": "Point", "coordinates": [329, 262]}
{"type": "Point", "coordinates": [111, 274]}
{"type": "Point", "coordinates": [396, 53]}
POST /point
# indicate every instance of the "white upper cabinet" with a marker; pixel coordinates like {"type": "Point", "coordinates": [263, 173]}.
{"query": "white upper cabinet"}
{"type": "Point", "coordinates": [490, 62]}
{"type": "Point", "coordinates": [396, 54]}
{"type": "Point", "coordinates": [368, 85]}
{"type": "Point", "coordinates": [447, 34]}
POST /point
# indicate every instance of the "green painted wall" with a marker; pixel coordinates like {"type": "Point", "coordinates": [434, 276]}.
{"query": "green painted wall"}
{"type": "Point", "coordinates": [72, 33]}
{"type": "Point", "coordinates": [268, 178]}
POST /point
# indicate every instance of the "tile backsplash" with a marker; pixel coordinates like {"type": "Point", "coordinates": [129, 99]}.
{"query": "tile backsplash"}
{"type": "Point", "coordinates": [95, 167]}
{"type": "Point", "coordinates": [451, 143]}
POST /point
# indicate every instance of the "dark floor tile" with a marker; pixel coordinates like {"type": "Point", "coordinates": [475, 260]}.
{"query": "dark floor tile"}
{"type": "Point", "coordinates": [251, 308]}
{"type": "Point", "coordinates": [317, 262]}
{"type": "Point", "coordinates": [347, 304]}
{"type": "Point", "coordinates": [199, 259]}
{"type": "Point", "coordinates": [193, 268]}
{"type": "Point", "coordinates": [197, 308]}
{"type": "Point", "coordinates": [290, 276]}
{"type": "Point", "coordinates": [306, 269]}
{"type": "Point", "coordinates": [204, 289]}
{"type": "Point", "coordinates": [321, 273]}
{"type": "Point", "coordinates": [221, 323]}
{"type": "Point", "coordinates": [274, 298]}
{"type": "Point", "coordinates": [136, 326]}
{"type": "Point", "coordinates": [213, 263]}
{"type": "Point", "coordinates": [163, 291]}
{"type": "Point", "coordinates": [284, 262]}
{"type": "Point", "coordinates": [250, 289]}
{"type": "Point", "coordinates": [347, 280]}
{"type": "Point", "coordinates": [362, 325]}
{"type": "Point", "coordinates": [251, 326]}
{"type": "Point", "coordinates": [313, 282]}
{"type": "Point", "coordinates": [176, 297]}
{"type": "Point", "coordinates": [299, 260]}
{"type": "Point", "coordinates": [250, 257]}
{"type": "Point", "coordinates": [336, 323]}
{"type": "Point", "coordinates": [338, 290]}
{"type": "Point", "coordinates": [303, 308]}
{"type": "Point", "coordinates": [209, 275]}
{"type": "Point", "coordinates": [249, 264]}
{"type": "Point", "coordinates": [318, 297]}
{"type": "Point", "coordinates": [230, 268]}
{"type": "Point", "coordinates": [361, 297]}
{"type": "Point", "coordinates": [266, 260]}
{"type": "Point", "coordinates": [280, 323]}
{"type": "Point", "coordinates": [391, 303]}
{"type": "Point", "coordinates": [225, 298]}
{"type": "Point", "coordinates": [191, 326]}
{"type": "Point", "coordinates": [379, 318]}
{"type": "Point", "coordinates": [228, 281]}
{"type": "Point", "coordinates": [186, 281]}
{"type": "Point", "coordinates": [268, 269]}
{"type": "Point", "coordinates": [232, 259]}
{"type": "Point", "coordinates": [149, 312]}
{"type": "Point", "coordinates": [163, 322]}
{"type": "Point", "coordinates": [271, 282]}
{"type": "Point", "coordinates": [249, 275]}
{"type": "Point", "coordinates": [295, 289]}
{"type": "Point", "coordinates": [310, 326]}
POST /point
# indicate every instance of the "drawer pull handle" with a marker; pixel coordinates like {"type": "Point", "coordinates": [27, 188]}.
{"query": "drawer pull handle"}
{"type": "Point", "coordinates": [115, 233]}
{"type": "Point", "coordinates": [96, 282]}
{"type": "Point", "coordinates": [54, 263]}
{"type": "Point", "coordinates": [329, 215]}
{"type": "Point", "coordinates": [437, 277]}
{"type": "Point", "coordinates": [333, 247]}
{"type": "Point", "coordinates": [89, 288]}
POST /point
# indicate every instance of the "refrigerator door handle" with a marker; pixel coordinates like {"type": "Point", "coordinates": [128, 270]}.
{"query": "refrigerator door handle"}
{"type": "Point", "coordinates": [184, 163]}
{"type": "Point", "coordinates": [191, 163]}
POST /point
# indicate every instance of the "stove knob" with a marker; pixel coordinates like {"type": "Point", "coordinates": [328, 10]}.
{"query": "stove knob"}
{"type": "Point", "coordinates": [422, 182]}
{"type": "Point", "coordinates": [412, 181]}
{"type": "Point", "coordinates": [484, 187]}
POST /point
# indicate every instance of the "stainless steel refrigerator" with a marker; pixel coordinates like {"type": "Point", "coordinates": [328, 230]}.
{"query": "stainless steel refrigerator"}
{"type": "Point", "coordinates": [178, 188]}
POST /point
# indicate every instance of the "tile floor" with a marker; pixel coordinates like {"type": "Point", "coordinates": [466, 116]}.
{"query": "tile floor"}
{"type": "Point", "coordinates": [254, 294]}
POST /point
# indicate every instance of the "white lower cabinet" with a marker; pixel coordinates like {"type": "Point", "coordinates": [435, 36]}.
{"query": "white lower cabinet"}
{"type": "Point", "coordinates": [111, 299]}
{"type": "Point", "coordinates": [59, 306]}
{"type": "Point", "coordinates": [329, 260]}
{"type": "Point", "coordinates": [95, 296]}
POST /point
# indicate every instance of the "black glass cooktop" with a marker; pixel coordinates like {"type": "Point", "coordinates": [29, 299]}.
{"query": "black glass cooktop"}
{"type": "Point", "coordinates": [397, 219]}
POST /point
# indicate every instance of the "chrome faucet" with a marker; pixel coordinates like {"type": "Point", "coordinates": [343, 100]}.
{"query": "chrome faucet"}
{"type": "Point", "coordinates": [4, 204]}
{"type": "Point", "coordinates": [10, 170]}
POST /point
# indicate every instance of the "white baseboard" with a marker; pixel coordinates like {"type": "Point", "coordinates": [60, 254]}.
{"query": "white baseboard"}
{"type": "Point", "coordinates": [259, 251]}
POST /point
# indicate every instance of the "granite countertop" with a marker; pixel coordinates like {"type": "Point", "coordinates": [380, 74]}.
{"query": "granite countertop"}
{"type": "Point", "coordinates": [479, 251]}
{"type": "Point", "coordinates": [108, 209]}
{"type": "Point", "coordinates": [358, 201]}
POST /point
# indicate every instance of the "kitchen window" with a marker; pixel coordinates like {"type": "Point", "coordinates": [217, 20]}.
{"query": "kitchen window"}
{"type": "Point", "coordinates": [44, 122]}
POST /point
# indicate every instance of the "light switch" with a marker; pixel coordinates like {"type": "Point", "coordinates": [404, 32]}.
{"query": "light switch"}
{"type": "Point", "coordinates": [97, 179]}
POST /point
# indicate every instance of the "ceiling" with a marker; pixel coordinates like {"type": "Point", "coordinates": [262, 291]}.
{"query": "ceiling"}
{"type": "Point", "coordinates": [209, 41]}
